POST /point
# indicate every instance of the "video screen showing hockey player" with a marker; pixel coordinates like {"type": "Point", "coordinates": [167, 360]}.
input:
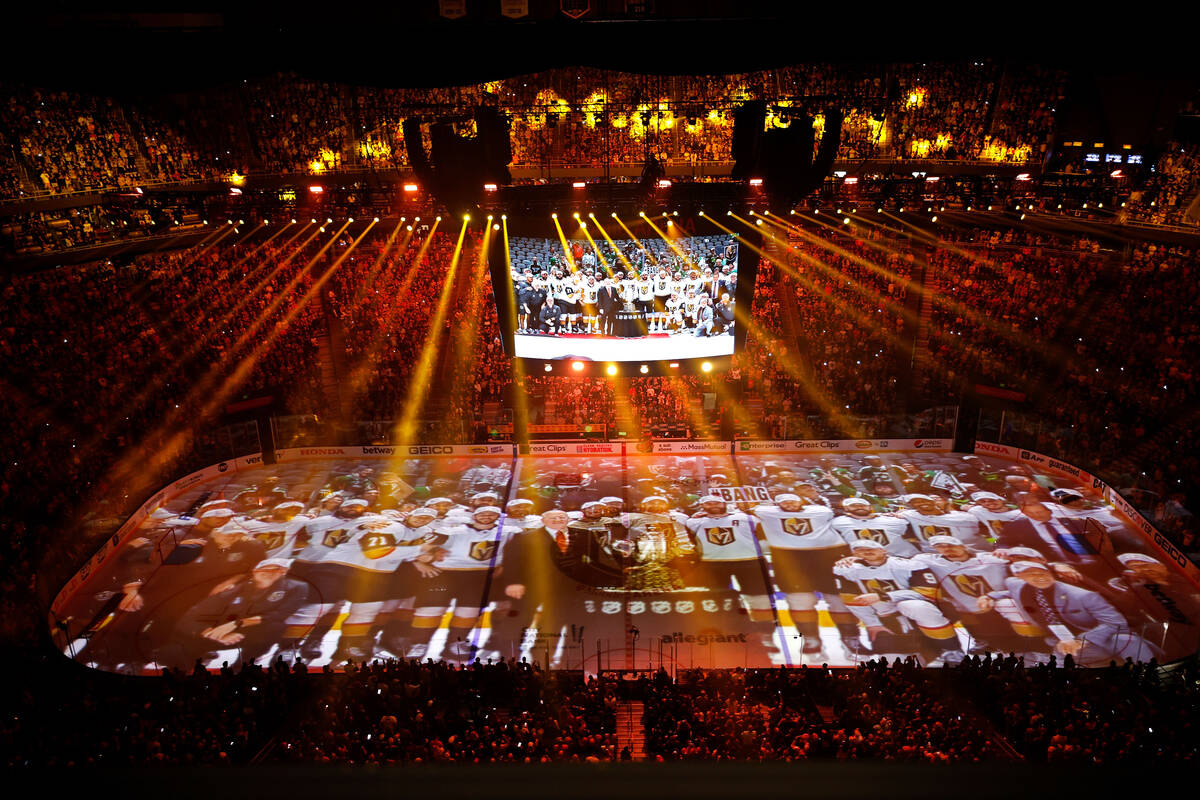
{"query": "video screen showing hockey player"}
{"type": "Point", "coordinates": [624, 299]}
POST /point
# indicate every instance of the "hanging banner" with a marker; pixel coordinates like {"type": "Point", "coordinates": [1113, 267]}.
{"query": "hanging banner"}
{"type": "Point", "coordinates": [452, 9]}
{"type": "Point", "coordinates": [576, 8]}
{"type": "Point", "coordinates": [514, 9]}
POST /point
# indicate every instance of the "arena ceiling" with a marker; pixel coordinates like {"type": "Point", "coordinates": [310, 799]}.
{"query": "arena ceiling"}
{"type": "Point", "coordinates": [132, 48]}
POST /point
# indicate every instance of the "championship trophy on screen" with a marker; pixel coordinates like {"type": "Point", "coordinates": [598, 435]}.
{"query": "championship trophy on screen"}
{"type": "Point", "coordinates": [636, 552]}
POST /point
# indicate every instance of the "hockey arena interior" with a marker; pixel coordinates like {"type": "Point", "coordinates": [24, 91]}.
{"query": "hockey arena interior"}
{"type": "Point", "coordinates": [687, 406]}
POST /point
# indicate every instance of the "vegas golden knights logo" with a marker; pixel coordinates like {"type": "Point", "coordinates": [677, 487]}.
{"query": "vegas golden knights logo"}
{"type": "Point", "coordinates": [928, 531]}
{"type": "Point", "coordinates": [874, 534]}
{"type": "Point", "coordinates": [663, 529]}
{"type": "Point", "coordinates": [483, 551]}
{"type": "Point", "coordinates": [335, 537]}
{"type": "Point", "coordinates": [271, 539]}
{"type": "Point", "coordinates": [377, 545]}
{"type": "Point", "coordinates": [720, 536]}
{"type": "Point", "coordinates": [879, 585]}
{"type": "Point", "coordinates": [972, 585]}
{"type": "Point", "coordinates": [797, 526]}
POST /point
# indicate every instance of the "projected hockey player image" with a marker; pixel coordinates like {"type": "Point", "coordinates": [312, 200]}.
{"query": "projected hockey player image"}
{"type": "Point", "coordinates": [891, 596]}
{"type": "Point", "coordinates": [804, 548]}
{"type": "Point", "coordinates": [628, 300]}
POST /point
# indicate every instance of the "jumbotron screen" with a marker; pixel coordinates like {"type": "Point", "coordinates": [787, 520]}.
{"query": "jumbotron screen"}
{"type": "Point", "coordinates": [627, 300]}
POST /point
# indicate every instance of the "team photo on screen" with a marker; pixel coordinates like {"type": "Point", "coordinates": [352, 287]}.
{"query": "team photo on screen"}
{"type": "Point", "coordinates": [625, 300]}
{"type": "Point", "coordinates": [602, 561]}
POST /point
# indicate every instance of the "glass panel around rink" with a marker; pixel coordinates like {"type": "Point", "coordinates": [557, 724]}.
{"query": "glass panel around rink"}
{"type": "Point", "coordinates": [766, 559]}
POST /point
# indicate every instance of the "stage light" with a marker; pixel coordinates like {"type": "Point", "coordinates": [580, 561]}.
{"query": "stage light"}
{"type": "Point", "coordinates": [410, 187]}
{"type": "Point", "coordinates": [418, 219]}
{"type": "Point", "coordinates": [614, 215]}
{"type": "Point", "coordinates": [989, 208]}
{"type": "Point", "coordinates": [504, 216]}
{"type": "Point", "coordinates": [293, 221]}
{"type": "Point", "coordinates": [409, 228]}
{"type": "Point", "coordinates": [549, 368]}
{"type": "Point", "coordinates": [643, 369]}
{"type": "Point", "coordinates": [489, 217]}
{"type": "Point", "coordinates": [578, 184]}
{"type": "Point", "coordinates": [377, 219]}
{"type": "Point", "coordinates": [1024, 176]}
{"type": "Point", "coordinates": [934, 218]}
{"type": "Point", "coordinates": [851, 181]}
{"type": "Point", "coordinates": [846, 220]}
{"type": "Point", "coordinates": [582, 224]}
{"type": "Point", "coordinates": [466, 217]}
{"type": "Point", "coordinates": [758, 222]}
{"type": "Point", "coordinates": [351, 219]}
{"type": "Point", "coordinates": [756, 181]}
{"type": "Point", "coordinates": [1022, 216]}
{"type": "Point", "coordinates": [664, 184]}
{"type": "Point", "coordinates": [612, 369]}
{"type": "Point", "coordinates": [641, 213]}
{"type": "Point", "coordinates": [575, 215]}
{"type": "Point", "coordinates": [577, 366]}
{"type": "Point", "coordinates": [729, 213]}
{"type": "Point", "coordinates": [674, 365]}
{"type": "Point", "coordinates": [489, 187]}
{"type": "Point", "coordinates": [496, 227]}
{"type": "Point", "coordinates": [706, 366]}
{"type": "Point", "coordinates": [554, 215]}
{"type": "Point", "coordinates": [675, 213]}
{"type": "Point", "coordinates": [438, 218]}
{"type": "Point", "coordinates": [328, 220]}
{"type": "Point", "coordinates": [592, 215]}
{"type": "Point", "coordinates": [316, 189]}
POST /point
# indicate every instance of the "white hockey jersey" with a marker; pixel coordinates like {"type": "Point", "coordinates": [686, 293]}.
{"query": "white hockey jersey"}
{"type": "Point", "coordinates": [808, 529]}
{"type": "Point", "coordinates": [725, 538]}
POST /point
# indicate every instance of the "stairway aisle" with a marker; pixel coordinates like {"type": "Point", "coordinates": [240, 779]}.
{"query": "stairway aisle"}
{"type": "Point", "coordinates": [630, 732]}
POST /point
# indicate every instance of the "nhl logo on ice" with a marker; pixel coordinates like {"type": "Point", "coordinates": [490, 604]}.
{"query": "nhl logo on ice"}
{"type": "Point", "coordinates": [483, 551]}
{"type": "Point", "coordinates": [720, 536]}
